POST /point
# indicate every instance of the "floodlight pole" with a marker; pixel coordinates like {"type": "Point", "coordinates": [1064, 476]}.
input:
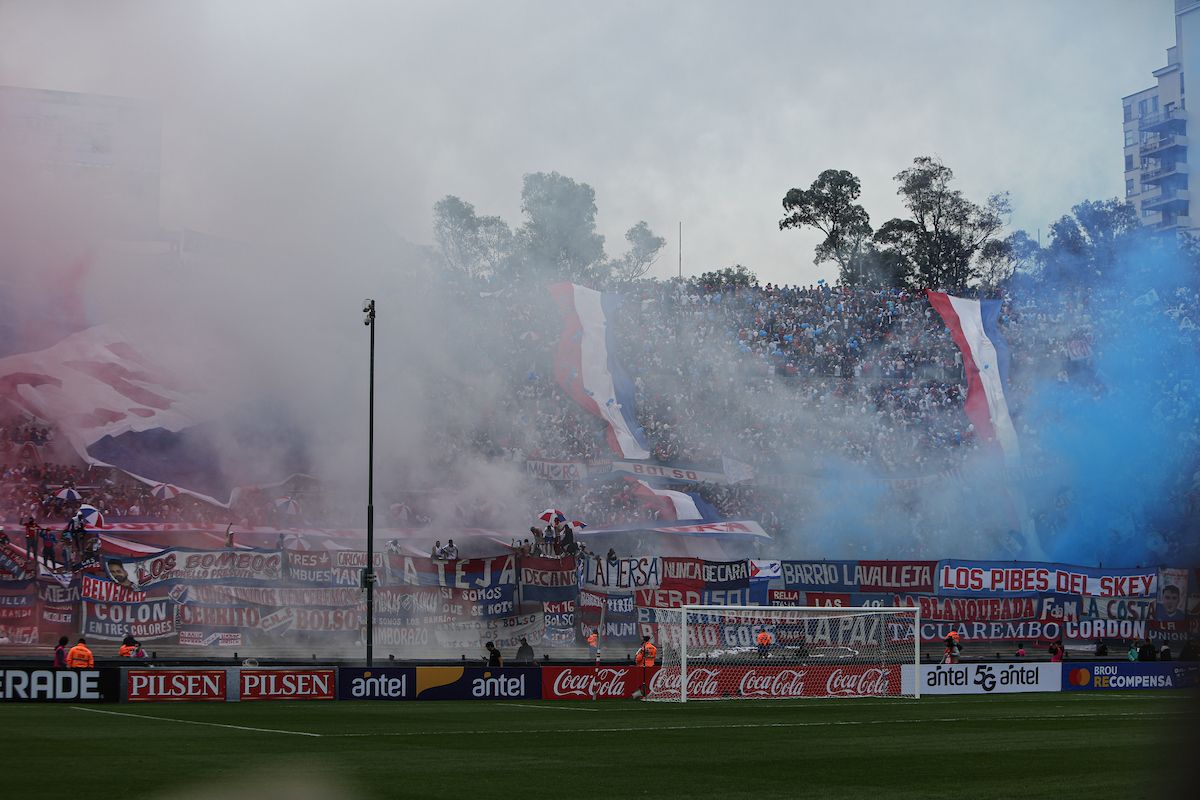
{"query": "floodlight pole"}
{"type": "Point", "coordinates": [369, 570]}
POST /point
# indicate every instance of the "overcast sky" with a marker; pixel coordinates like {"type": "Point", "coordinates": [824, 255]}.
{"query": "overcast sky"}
{"type": "Point", "coordinates": [293, 120]}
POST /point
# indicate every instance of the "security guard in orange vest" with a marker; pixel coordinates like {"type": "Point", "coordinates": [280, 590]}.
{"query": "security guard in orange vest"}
{"type": "Point", "coordinates": [80, 657]}
{"type": "Point", "coordinates": [593, 641]}
{"type": "Point", "coordinates": [646, 654]}
{"type": "Point", "coordinates": [764, 640]}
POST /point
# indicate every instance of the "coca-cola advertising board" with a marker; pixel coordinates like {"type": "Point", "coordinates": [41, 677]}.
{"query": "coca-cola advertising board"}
{"type": "Point", "coordinates": [772, 682]}
{"type": "Point", "coordinates": [176, 685]}
{"type": "Point", "coordinates": [593, 683]}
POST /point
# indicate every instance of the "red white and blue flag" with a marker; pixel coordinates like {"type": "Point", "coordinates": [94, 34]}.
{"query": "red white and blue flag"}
{"type": "Point", "coordinates": [586, 366]}
{"type": "Point", "coordinates": [974, 326]}
{"type": "Point", "coordinates": [671, 504]}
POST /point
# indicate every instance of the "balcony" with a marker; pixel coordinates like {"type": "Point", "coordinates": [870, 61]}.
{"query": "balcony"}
{"type": "Point", "coordinates": [1162, 143]}
{"type": "Point", "coordinates": [1161, 173]}
{"type": "Point", "coordinates": [1174, 223]}
{"type": "Point", "coordinates": [1152, 218]}
{"type": "Point", "coordinates": [1167, 198]}
{"type": "Point", "coordinates": [1175, 119]}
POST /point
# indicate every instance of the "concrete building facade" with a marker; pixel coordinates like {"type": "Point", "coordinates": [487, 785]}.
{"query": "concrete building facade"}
{"type": "Point", "coordinates": [1158, 178]}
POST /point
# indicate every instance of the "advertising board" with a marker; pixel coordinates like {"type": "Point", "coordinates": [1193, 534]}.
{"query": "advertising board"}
{"type": "Point", "coordinates": [288, 684]}
{"type": "Point", "coordinates": [176, 685]}
{"type": "Point", "coordinates": [1119, 675]}
{"type": "Point", "coordinates": [60, 685]}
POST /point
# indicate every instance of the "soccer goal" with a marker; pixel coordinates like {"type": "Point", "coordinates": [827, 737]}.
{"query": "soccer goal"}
{"type": "Point", "coordinates": [767, 652]}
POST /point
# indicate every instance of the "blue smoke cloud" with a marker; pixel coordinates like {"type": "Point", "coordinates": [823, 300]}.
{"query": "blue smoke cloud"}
{"type": "Point", "coordinates": [1121, 441]}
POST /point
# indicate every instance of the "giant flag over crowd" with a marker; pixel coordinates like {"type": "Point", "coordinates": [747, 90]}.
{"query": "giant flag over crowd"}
{"type": "Point", "coordinates": [587, 369]}
{"type": "Point", "coordinates": [974, 326]}
{"type": "Point", "coordinates": [118, 407]}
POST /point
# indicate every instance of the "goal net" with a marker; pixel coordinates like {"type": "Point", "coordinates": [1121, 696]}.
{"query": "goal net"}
{"type": "Point", "coordinates": [768, 652]}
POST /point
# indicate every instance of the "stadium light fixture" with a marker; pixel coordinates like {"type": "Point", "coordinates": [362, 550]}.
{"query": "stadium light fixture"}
{"type": "Point", "coordinates": [368, 574]}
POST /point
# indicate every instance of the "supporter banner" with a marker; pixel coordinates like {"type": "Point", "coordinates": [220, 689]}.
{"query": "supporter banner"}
{"type": "Point", "coordinates": [1006, 678]}
{"type": "Point", "coordinates": [1120, 675]}
{"type": "Point", "coordinates": [55, 618]}
{"type": "Point", "coordinates": [980, 609]}
{"type": "Point", "coordinates": [765, 570]}
{"type": "Point", "coordinates": [557, 470]}
{"type": "Point", "coordinates": [348, 566]}
{"type": "Point", "coordinates": [682, 573]}
{"type": "Point", "coordinates": [1104, 629]}
{"type": "Point", "coordinates": [829, 576]}
{"type": "Point", "coordinates": [288, 684]}
{"type": "Point", "coordinates": [442, 605]}
{"type": "Point", "coordinates": [560, 614]}
{"type": "Point", "coordinates": [592, 683]}
{"type": "Point", "coordinates": [1126, 608]}
{"type": "Point", "coordinates": [19, 634]}
{"type": "Point", "coordinates": [1171, 631]}
{"type": "Point", "coordinates": [671, 474]}
{"type": "Point", "coordinates": [726, 574]}
{"type": "Point", "coordinates": [377, 683]}
{"type": "Point", "coordinates": [478, 683]}
{"type": "Point", "coordinates": [664, 597]}
{"type": "Point", "coordinates": [464, 573]}
{"type": "Point", "coordinates": [55, 592]}
{"type": "Point", "coordinates": [859, 576]}
{"type": "Point", "coordinates": [199, 638]}
{"type": "Point", "coordinates": [1018, 577]}
{"type": "Point", "coordinates": [153, 619]}
{"type": "Point", "coordinates": [549, 578]}
{"type": "Point", "coordinates": [17, 600]}
{"type": "Point", "coordinates": [1172, 595]}
{"type": "Point", "coordinates": [217, 595]}
{"type": "Point", "coordinates": [314, 567]}
{"type": "Point", "coordinates": [60, 685]}
{"type": "Point", "coordinates": [407, 636]}
{"type": "Point", "coordinates": [11, 569]}
{"type": "Point", "coordinates": [176, 565]}
{"type": "Point", "coordinates": [785, 597]}
{"type": "Point", "coordinates": [195, 615]}
{"type": "Point", "coordinates": [92, 588]}
{"type": "Point", "coordinates": [176, 685]}
{"type": "Point", "coordinates": [624, 573]}
{"type": "Point", "coordinates": [1034, 630]}
{"type": "Point", "coordinates": [896, 576]}
{"type": "Point", "coordinates": [505, 632]}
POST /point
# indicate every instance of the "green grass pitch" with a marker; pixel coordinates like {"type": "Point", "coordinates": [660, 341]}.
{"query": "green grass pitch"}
{"type": "Point", "coordinates": [1086, 745]}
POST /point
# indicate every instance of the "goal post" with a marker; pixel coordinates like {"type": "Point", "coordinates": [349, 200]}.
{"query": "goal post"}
{"type": "Point", "coordinates": [777, 652]}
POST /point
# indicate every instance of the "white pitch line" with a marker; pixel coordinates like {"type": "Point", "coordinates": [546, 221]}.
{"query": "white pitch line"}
{"type": "Point", "coordinates": [560, 707]}
{"type": "Point", "coordinates": [828, 723]}
{"type": "Point", "coordinates": [195, 722]}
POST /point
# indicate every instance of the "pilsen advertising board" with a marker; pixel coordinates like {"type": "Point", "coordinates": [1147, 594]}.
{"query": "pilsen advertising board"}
{"type": "Point", "coordinates": [176, 685]}
{"type": "Point", "coordinates": [288, 684]}
{"type": "Point", "coordinates": [60, 685]}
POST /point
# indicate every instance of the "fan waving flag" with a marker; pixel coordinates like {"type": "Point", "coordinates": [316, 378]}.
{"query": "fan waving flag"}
{"type": "Point", "coordinates": [587, 369]}
{"type": "Point", "coordinates": [974, 327]}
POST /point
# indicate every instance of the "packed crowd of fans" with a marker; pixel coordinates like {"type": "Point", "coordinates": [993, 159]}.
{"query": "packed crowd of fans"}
{"type": "Point", "coordinates": [814, 389]}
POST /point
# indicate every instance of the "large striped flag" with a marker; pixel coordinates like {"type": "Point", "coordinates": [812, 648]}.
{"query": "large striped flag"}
{"type": "Point", "coordinates": [974, 327]}
{"type": "Point", "coordinates": [671, 504]}
{"type": "Point", "coordinates": [587, 369]}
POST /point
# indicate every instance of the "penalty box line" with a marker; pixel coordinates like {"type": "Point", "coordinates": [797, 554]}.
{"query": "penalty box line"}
{"type": "Point", "coordinates": [766, 725]}
{"type": "Point", "coordinates": [196, 722]}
